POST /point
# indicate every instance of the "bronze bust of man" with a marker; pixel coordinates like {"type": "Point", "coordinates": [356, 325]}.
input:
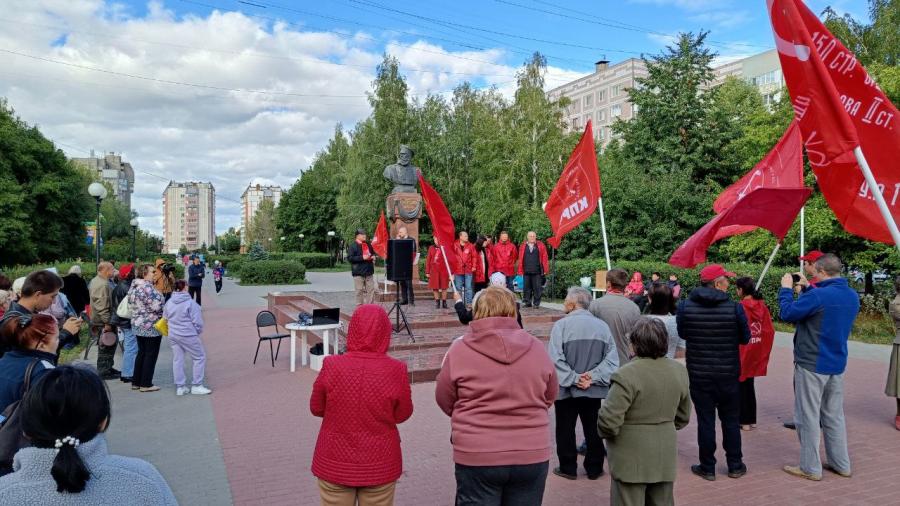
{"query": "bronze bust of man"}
{"type": "Point", "coordinates": [403, 174]}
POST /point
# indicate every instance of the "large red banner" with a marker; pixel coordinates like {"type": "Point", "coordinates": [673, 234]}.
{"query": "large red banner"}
{"type": "Point", "coordinates": [838, 107]}
{"type": "Point", "coordinates": [442, 225]}
{"type": "Point", "coordinates": [380, 239]}
{"type": "Point", "coordinates": [575, 196]}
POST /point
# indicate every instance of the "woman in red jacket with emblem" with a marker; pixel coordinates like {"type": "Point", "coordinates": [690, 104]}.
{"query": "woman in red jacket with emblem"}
{"type": "Point", "coordinates": [755, 354]}
{"type": "Point", "coordinates": [361, 396]}
{"type": "Point", "coordinates": [438, 277]}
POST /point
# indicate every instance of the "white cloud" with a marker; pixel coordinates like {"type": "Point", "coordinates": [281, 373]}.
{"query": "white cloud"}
{"type": "Point", "coordinates": [722, 19]}
{"type": "Point", "coordinates": [203, 134]}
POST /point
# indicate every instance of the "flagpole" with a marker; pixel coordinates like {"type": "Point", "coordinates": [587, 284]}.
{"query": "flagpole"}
{"type": "Point", "coordinates": [603, 229]}
{"type": "Point", "coordinates": [802, 235]}
{"type": "Point", "coordinates": [879, 198]}
{"type": "Point", "coordinates": [449, 272]}
{"type": "Point", "coordinates": [768, 264]}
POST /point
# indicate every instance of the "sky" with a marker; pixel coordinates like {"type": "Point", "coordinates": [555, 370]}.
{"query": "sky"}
{"type": "Point", "coordinates": [239, 92]}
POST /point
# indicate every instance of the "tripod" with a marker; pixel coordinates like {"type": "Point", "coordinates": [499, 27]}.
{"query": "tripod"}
{"type": "Point", "coordinates": [397, 309]}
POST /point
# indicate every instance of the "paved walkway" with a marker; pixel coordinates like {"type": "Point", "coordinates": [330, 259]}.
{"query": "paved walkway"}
{"type": "Point", "coordinates": [252, 440]}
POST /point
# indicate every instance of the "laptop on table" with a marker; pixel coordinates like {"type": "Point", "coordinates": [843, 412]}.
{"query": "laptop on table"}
{"type": "Point", "coordinates": [329, 316]}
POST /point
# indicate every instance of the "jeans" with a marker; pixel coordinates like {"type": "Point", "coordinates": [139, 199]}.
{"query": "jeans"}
{"type": "Point", "coordinates": [533, 287]}
{"type": "Point", "coordinates": [463, 283]}
{"type": "Point", "coordinates": [514, 485]}
{"type": "Point", "coordinates": [819, 399]}
{"type": "Point", "coordinates": [568, 411]}
{"type": "Point", "coordinates": [722, 396]}
{"type": "Point", "coordinates": [196, 293]}
{"type": "Point", "coordinates": [193, 347]}
{"type": "Point", "coordinates": [129, 342]}
{"type": "Point", "coordinates": [145, 363]}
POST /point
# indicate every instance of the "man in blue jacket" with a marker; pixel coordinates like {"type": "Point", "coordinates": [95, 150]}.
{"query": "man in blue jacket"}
{"type": "Point", "coordinates": [824, 318]}
{"type": "Point", "coordinates": [196, 273]}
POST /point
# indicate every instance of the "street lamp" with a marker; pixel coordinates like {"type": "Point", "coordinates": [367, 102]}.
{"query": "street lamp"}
{"type": "Point", "coordinates": [98, 191]}
{"type": "Point", "coordinates": [301, 236]}
{"type": "Point", "coordinates": [134, 226]}
{"type": "Point", "coordinates": [331, 250]}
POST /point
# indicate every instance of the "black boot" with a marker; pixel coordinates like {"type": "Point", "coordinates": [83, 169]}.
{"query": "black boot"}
{"type": "Point", "coordinates": [437, 304]}
{"type": "Point", "coordinates": [444, 303]}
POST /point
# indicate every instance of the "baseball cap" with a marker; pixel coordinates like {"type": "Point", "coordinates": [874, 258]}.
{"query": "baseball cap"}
{"type": "Point", "coordinates": [360, 231]}
{"type": "Point", "coordinates": [125, 270]}
{"type": "Point", "coordinates": [713, 271]}
{"type": "Point", "coordinates": [812, 256]}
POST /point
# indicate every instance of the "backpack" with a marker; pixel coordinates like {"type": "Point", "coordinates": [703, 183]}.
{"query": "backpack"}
{"type": "Point", "coordinates": [12, 439]}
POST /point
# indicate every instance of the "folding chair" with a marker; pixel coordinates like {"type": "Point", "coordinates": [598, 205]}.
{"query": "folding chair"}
{"type": "Point", "coordinates": [266, 319]}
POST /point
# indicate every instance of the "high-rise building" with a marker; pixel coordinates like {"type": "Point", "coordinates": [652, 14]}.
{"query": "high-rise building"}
{"type": "Point", "coordinates": [111, 169]}
{"type": "Point", "coordinates": [602, 96]}
{"type": "Point", "coordinates": [250, 200]}
{"type": "Point", "coordinates": [189, 216]}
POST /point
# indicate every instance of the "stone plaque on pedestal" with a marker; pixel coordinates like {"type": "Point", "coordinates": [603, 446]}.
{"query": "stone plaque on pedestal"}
{"type": "Point", "coordinates": [405, 209]}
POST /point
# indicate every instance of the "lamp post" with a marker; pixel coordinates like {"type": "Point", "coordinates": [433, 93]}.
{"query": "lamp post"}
{"type": "Point", "coordinates": [134, 226]}
{"type": "Point", "coordinates": [98, 191]}
{"type": "Point", "coordinates": [330, 249]}
{"type": "Point", "coordinates": [301, 236]}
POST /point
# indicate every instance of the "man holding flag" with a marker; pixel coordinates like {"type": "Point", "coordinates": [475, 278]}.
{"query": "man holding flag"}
{"type": "Point", "coordinates": [362, 267]}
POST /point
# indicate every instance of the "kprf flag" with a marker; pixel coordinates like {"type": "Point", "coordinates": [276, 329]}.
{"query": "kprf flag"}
{"type": "Point", "coordinates": [380, 240]}
{"type": "Point", "coordinates": [839, 107]}
{"type": "Point", "coordinates": [575, 197]}
{"type": "Point", "coordinates": [782, 167]}
{"type": "Point", "coordinates": [441, 222]}
{"type": "Point", "coordinates": [773, 209]}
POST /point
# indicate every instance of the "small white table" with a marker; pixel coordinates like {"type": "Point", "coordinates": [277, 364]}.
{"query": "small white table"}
{"type": "Point", "coordinates": [303, 330]}
{"type": "Point", "coordinates": [595, 291]}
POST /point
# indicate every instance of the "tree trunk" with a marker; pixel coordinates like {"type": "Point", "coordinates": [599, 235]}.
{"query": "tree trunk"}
{"type": "Point", "coordinates": [870, 285]}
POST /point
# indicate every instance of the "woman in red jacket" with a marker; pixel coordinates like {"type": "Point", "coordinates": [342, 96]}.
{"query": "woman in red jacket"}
{"type": "Point", "coordinates": [755, 354]}
{"type": "Point", "coordinates": [438, 277]}
{"type": "Point", "coordinates": [361, 396]}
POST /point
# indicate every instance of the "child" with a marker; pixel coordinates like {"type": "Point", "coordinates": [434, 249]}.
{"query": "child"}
{"type": "Point", "coordinates": [218, 272]}
{"type": "Point", "coordinates": [185, 325]}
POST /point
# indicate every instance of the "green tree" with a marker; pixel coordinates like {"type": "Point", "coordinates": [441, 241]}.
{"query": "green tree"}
{"type": "Point", "coordinates": [230, 241]}
{"type": "Point", "coordinates": [257, 252]}
{"type": "Point", "coordinates": [262, 227]}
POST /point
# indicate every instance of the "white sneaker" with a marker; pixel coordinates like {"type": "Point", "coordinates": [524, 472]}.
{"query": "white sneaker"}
{"type": "Point", "coordinates": [181, 391]}
{"type": "Point", "coordinates": [200, 390]}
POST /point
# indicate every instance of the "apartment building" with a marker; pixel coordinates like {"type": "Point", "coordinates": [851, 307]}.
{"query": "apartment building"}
{"type": "Point", "coordinates": [112, 170]}
{"type": "Point", "coordinates": [189, 216]}
{"type": "Point", "coordinates": [762, 70]}
{"type": "Point", "coordinates": [252, 197]}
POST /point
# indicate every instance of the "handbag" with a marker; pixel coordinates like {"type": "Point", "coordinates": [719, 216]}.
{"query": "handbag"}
{"type": "Point", "coordinates": [162, 326]}
{"type": "Point", "coordinates": [108, 338]}
{"type": "Point", "coordinates": [12, 439]}
{"type": "Point", "coordinates": [124, 310]}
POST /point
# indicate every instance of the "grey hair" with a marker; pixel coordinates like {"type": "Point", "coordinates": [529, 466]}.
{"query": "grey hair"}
{"type": "Point", "coordinates": [75, 269]}
{"type": "Point", "coordinates": [579, 296]}
{"type": "Point", "coordinates": [830, 264]}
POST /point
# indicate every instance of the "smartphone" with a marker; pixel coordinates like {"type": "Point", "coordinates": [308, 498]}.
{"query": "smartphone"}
{"type": "Point", "coordinates": [796, 277]}
{"type": "Point", "coordinates": [84, 316]}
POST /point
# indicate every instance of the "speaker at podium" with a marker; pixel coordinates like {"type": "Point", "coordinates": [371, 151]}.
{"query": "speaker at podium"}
{"type": "Point", "coordinates": [399, 262]}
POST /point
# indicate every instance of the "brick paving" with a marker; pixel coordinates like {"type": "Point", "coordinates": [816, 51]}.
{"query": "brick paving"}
{"type": "Point", "coordinates": [267, 436]}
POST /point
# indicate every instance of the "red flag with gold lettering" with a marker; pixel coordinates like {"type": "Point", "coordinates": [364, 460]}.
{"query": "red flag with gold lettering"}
{"type": "Point", "coordinates": [839, 107]}
{"type": "Point", "coordinates": [575, 196]}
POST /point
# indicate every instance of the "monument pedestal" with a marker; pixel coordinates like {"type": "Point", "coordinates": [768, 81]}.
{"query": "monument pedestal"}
{"type": "Point", "coordinates": [405, 209]}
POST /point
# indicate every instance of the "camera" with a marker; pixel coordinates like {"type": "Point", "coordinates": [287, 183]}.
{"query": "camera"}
{"type": "Point", "coordinates": [167, 268]}
{"type": "Point", "coordinates": [796, 277]}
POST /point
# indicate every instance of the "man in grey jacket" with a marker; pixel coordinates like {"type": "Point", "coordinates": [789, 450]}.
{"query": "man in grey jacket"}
{"type": "Point", "coordinates": [584, 352]}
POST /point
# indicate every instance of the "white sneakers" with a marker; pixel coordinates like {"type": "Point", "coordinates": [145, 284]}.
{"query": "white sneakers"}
{"type": "Point", "coordinates": [195, 390]}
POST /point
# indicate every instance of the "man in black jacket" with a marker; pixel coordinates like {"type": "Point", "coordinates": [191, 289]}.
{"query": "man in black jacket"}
{"type": "Point", "coordinates": [362, 266]}
{"type": "Point", "coordinates": [713, 326]}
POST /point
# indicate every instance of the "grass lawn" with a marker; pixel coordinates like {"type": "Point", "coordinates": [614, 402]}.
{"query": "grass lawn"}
{"type": "Point", "coordinates": [238, 281]}
{"type": "Point", "coordinates": [67, 356]}
{"type": "Point", "coordinates": [867, 329]}
{"type": "Point", "coordinates": [345, 267]}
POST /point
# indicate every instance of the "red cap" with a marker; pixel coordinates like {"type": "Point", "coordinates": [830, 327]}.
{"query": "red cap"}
{"type": "Point", "coordinates": [812, 256]}
{"type": "Point", "coordinates": [714, 271]}
{"type": "Point", "coordinates": [125, 270]}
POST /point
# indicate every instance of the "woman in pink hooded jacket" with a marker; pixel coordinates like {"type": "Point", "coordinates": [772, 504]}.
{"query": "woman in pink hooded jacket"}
{"type": "Point", "coordinates": [497, 384]}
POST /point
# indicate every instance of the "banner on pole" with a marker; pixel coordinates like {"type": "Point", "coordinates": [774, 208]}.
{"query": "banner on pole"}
{"type": "Point", "coordinates": [441, 222]}
{"type": "Point", "coordinates": [380, 238]}
{"type": "Point", "coordinates": [839, 107]}
{"type": "Point", "coordinates": [575, 196]}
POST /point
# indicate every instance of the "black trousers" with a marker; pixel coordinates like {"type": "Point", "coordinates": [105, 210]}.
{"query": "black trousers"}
{"type": "Point", "coordinates": [145, 362]}
{"type": "Point", "coordinates": [521, 485]}
{"type": "Point", "coordinates": [723, 397]}
{"type": "Point", "coordinates": [195, 293]}
{"type": "Point", "coordinates": [532, 289]}
{"type": "Point", "coordinates": [748, 402]}
{"type": "Point", "coordinates": [568, 411]}
{"type": "Point", "coordinates": [105, 357]}
{"type": "Point", "coordinates": [407, 292]}
{"type": "Point", "coordinates": [218, 283]}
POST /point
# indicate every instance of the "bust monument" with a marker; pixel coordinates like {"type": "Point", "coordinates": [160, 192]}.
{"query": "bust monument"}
{"type": "Point", "coordinates": [403, 174]}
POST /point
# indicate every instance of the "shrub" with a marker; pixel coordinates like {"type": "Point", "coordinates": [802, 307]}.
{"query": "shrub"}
{"type": "Point", "coordinates": [257, 252]}
{"type": "Point", "coordinates": [272, 272]}
{"type": "Point", "coordinates": [88, 269]}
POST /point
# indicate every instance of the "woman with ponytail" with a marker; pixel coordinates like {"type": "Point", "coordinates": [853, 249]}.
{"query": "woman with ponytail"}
{"type": "Point", "coordinates": [65, 415]}
{"type": "Point", "coordinates": [755, 354]}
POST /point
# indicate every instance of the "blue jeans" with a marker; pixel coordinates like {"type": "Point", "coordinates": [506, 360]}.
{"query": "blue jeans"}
{"type": "Point", "coordinates": [463, 283]}
{"type": "Point", "coordinates": [131, 349]}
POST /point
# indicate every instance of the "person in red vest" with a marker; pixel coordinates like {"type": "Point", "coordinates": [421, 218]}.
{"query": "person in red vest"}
{"type": "Point", "coordinates": [438, 277]}
{"type": "Point", "coordinates": [755, 354]}
{"type": "Point", "coordinates": [533, 267]}
{"type": "Point", "coordinates": [464, 269]}
{"type": "Point", "coordinates": [482, 263]}
{"type": "Point", "coordinates": [503, 259]}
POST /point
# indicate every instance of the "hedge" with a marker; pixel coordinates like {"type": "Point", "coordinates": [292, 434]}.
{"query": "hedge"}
{"type": "Point", "coordinates": [88, 269]}
{"type": "Point", "coordinates": [272, 272]}
{"type": "Point", "coordinates": [569, 273]}
{"type": "Point", "coordinates": [234, 263]}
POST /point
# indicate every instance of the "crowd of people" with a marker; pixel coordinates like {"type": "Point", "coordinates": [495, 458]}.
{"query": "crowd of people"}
{"type": "Point", "coordinates": [52, 448]}
{"type": "Point", "coordinates": [631, 379]}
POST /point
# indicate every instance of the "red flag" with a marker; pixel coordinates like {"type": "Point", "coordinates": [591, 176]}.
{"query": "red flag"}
{"type": "Point", "coordinates": [441, 222]}
{"type": "Point", "coordinates": [839, 107]}
{"type": "Point", "coordinates": [773, 209]}
{"type": "Point", "coordinates": [576, 193]}
{"type": "Point", "coordinates": [380, 240]}
{"type": "Point", "coordinates": [782, 167]}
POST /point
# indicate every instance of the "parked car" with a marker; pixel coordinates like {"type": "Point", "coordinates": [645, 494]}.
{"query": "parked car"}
{"type": "Point", "coordinates": [877, 276]}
